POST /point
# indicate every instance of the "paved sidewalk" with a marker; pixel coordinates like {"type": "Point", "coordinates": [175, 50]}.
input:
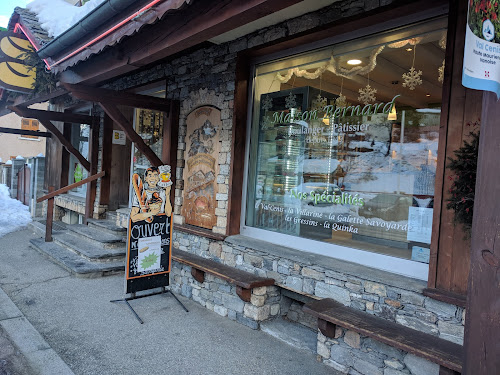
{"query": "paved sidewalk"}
{"type": "Point", "coordinates": [22, 349]}
{"type": "Point", "coordinates": [93, 336]}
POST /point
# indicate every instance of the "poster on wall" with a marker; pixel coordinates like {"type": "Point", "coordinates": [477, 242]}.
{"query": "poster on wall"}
{"type": "Point", "coordinates": [202, 167]}
{"type": "Point", "coordinates": [150, 231]}
{"type": "Point", "coordinates": [481, 70]}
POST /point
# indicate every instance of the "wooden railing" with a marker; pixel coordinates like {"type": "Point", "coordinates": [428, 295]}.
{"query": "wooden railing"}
{"type": "Point", "coordinates": [50, 197]}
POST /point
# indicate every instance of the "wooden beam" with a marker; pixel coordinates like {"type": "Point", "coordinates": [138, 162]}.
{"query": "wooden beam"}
{"type": "Point", "coordinates": [22, 102]}
{"type": "Point", "coordinates": [67, 144]}
{"type": "Point", "coordinates": [50, 217]}
{"type": "Point", "coordinates": [238, 143]}
{"type": "Point", "coordinates": [93, 156]}
{"type": "Point", "coordinates": [55, 116]}
{"type": "Point", "coordinates": [482, 325]}
{"type": "Point", "coordinates": [174, 33]}
{"type": "Point", "coordinates": [53, 129]}
{"type": "Point", "coordinates": [70, 187]}
{"type": "Point", "coordinates": [25, 132]}
{"type": "Point", "coordinates": [107, 150]}
{"type": "Point", "coordinates": [244, 293]}
{"type": "Point", "coordinates": [127, 127]}
{"type": "Point", "coordinates": [95, 94]}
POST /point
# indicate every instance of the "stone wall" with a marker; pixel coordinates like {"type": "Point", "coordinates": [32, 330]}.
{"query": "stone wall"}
{"type": "Point", "coordinates": [350, 353]}
{"type": "Point", "coordinates": [393, 297]}
{"type": "Point", "coordinates": [220, 296]}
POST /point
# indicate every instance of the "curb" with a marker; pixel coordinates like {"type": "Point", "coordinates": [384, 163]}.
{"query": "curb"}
{"type": "Point", "coordinates": [40, 356]}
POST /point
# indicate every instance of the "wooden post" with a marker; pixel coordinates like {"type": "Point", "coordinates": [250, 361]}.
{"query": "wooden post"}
{"type": "Point", "coordinates": [482, 323]}
{"type": "Point", "coordinates": [93, 159]}
{"type": "Point", "coordinates": [50, 217]}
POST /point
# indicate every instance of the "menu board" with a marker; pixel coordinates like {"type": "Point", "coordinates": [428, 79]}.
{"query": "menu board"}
{"type": "Point", "coordinates": [150, 231]}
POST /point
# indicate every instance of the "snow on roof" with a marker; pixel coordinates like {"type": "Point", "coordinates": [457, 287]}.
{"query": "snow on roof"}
{"type": "Point", "coordinates": [57, 16]}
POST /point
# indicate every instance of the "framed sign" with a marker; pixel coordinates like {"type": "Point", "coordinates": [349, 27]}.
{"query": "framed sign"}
{"type": "Point", "coordinates": [119, 137]}
{"type": "Point", "coordinates": [150, 231]}
{"type": "Point", "coordinates": [203, 129]}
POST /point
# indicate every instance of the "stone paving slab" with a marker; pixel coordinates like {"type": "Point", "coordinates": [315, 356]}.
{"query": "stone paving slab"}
{"type": "Point", "coordinates": [23, 351]}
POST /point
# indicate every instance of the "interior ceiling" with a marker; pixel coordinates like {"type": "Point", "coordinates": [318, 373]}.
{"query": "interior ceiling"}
{"type": "Point", "coordinates": [386, 78]}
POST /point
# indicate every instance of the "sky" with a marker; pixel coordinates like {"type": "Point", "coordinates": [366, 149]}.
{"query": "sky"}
{"type": "Point", "coordinates": [7, 8]}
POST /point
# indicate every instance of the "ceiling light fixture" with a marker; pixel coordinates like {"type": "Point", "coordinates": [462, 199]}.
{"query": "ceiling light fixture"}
{"type": "Point", "coordinates": [409, 49]}
{"type": "Point", "coordinates": [354, 62]}
{"type": "Point", "coordinates": [427, 95]}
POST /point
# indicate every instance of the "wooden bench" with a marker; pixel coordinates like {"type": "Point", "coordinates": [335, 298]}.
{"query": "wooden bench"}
{"type": "Point", "coordinates": [330, 313]}
{"type": "Point", "coordinates": [244, 281]}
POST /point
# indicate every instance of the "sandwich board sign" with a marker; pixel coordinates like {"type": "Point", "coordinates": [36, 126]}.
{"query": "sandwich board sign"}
{"type": "Point", "coordinates": [149, 245]}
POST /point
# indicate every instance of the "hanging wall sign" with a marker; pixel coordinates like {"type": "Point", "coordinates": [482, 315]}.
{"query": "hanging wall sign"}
{"type": "Point", "coordinates": [481, 68]}
{"type": "Point", "coordinates": [14, 75]}
{"type": "Point", "coordinates": [202, 162]}
{"type": "Point", "coordinates": [150, 231]}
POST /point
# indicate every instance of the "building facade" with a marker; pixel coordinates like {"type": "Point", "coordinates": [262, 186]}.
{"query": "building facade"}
{"type": "Point", "coordinates": [310, 146]}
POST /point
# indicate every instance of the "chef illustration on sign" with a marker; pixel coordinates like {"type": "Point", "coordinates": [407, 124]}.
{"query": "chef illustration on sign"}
{"type": "Point", "coordinates": [152, 197]}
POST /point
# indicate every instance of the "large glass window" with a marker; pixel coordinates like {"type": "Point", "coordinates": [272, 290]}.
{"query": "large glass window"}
{"type": "Point", "coordinates": [343, 145]}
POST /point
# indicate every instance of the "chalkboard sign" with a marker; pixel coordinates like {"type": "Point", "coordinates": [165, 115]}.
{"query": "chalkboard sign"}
{"type": "Point", "coordinates": [150, 231]}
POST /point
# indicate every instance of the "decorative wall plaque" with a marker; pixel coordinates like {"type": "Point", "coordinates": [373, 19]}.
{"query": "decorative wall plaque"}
{"type": "Point", "coordinates": [202, 167]}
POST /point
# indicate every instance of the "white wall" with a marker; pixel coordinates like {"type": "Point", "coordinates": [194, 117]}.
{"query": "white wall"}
{"type": "Point", "coordinates": [15, 144]}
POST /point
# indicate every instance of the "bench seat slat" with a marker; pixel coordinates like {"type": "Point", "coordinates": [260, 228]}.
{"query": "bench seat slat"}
{"type": "Point", "coordinates": [433, 348]}
{"type": "Point", "coordinates": [235, 276]}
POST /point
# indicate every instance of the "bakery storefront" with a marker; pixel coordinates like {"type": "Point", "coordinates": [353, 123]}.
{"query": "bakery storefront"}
{"type": "Point", "coordinates": [311, 150]}
{"type": "Point", "coordinates": [343, 148]}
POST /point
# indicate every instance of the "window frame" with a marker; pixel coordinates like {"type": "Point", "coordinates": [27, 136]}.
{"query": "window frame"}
{"type": "Point", "coordinates": [388, 263]}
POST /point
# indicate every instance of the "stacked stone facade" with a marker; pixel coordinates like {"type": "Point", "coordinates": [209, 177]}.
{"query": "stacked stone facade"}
{"type": "Point", "coordinates": [399, 300]}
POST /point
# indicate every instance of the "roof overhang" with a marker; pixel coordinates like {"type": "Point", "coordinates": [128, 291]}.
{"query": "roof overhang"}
{"type": "Point", "coordinates": [149, 41]}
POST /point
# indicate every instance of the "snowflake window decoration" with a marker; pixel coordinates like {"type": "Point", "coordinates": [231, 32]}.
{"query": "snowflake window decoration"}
{"type": "Point", "coordinates": [267, 103]}
{"type": "Point", "coordinates": [291, 101]}
{"type": "Point", "coordinates": [412, 78]}
{"type": "Point", "coordinates": [341, 101]}
{"type": "Point", "coordinates": [319, 103]}
{"type": "Point", "coordinates": [367, 95]}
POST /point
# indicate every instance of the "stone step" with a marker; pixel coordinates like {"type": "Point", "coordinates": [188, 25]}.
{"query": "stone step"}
{"type": "Point", "coordinates": [38, 227]}
{"type": "Point", "coordinates": [291, 333]}
{"type": "Point", "coordinates": [107, 226]}
{"type": "Point", "coordinates": [122, 217]}
{"type": "Point", "coordinates": [111, 215]}
{"type": "Point", "coordinates": [84, 248]}
{"type": "Point", "coordinates": [74, 263]}
{"type": "Point", "coordinates": [96, 237]}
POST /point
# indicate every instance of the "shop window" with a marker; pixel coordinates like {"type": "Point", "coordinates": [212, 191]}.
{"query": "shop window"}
{"type": "Point", "coordinates": [29, 124]}
{"type": "Point", "coordinates": [80, 140]}
{"type": "Point", "coordinates": [343, 148]}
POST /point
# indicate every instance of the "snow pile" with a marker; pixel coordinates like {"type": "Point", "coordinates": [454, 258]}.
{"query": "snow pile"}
{"type": "Point", "coordinates": [57, 16]}
{"type": "Point", "coordinates": [13, 214]}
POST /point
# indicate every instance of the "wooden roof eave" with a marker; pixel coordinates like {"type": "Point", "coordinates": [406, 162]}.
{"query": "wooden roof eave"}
{"type": "Point", "coordinates": [189, 27]}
